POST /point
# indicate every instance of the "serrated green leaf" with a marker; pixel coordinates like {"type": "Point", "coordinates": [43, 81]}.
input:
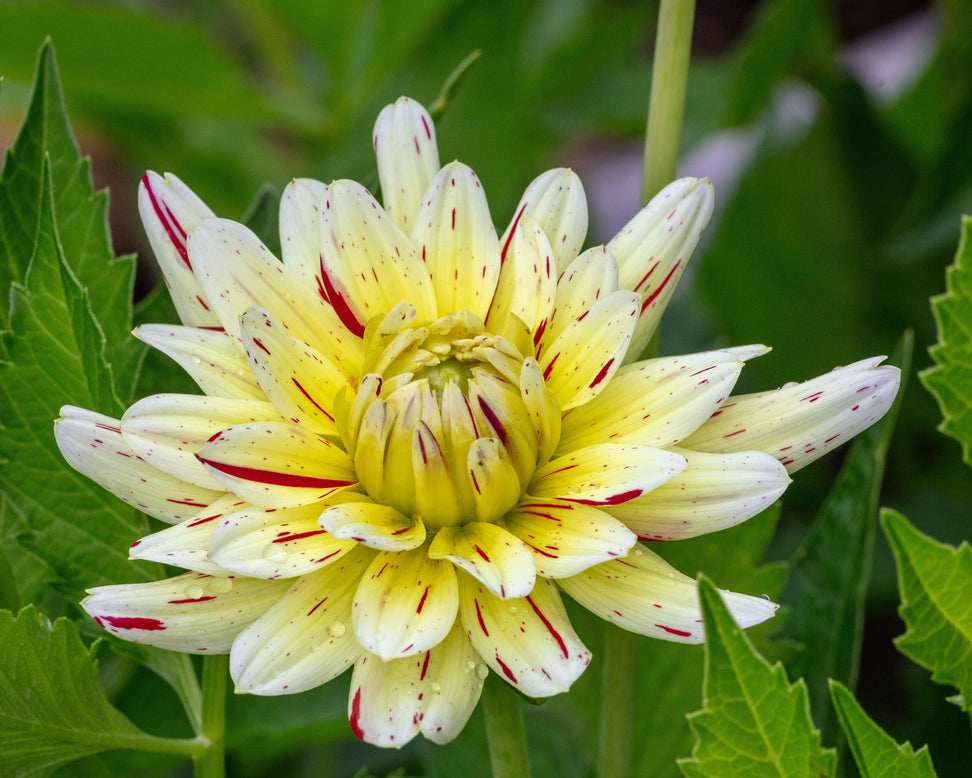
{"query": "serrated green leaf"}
{"type": "Point", "coordinates": [54, 355]}
{"type": "Point", "coordinates": [951, 379]}
{"type": "Point", "coordinates": [829, 573]}
{"type": "Point", "coordinates": [52, 706]}
{"type": "Point", "coordinates": [46, 138]}
{"type": "Point", "coordinates": [876, 753]}
{"type": "Point", "coordinates": [935, 581]}
{"type": "Point", "coordinates": [753, 722]}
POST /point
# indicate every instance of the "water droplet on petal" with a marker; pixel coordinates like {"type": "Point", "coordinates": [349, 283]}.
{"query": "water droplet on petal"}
{"type": "Point", "coordinates": [470, 665]}
{"type": "Point", "coordinates": [379, 636]}
{"type": "Point", "coordinates": [386, 598]}
{"type": "Point", "coordinates": [436, 688]}
{"type": "Point", "coordinates": [196, 360]}
{"type": "Point", "coordinates": [194, 592]}
{"type": "Point", "coordinates": [316, 647]}
{"type": "Point", "coordinates": [274, 553]}
{"type": "Point", "coordinates": [481, 672]}
{"type": "Point", "coordinates": [220, 585]}
{"type": "Point", "coordinates": [336, 629]}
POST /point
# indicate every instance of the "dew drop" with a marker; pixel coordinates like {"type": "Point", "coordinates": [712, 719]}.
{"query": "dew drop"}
{"type": "Point", "coordinates": [194, 592]}
{"type": "Point", "coordinates": [481, 672]}
{"type": "Point", "coordinates": [336, 629]}
{"type": "Point", "coordinates": [379, 636]}
{"type": "Point", "coordinates": [436, 688]}
{"type": "Point", "coordinates": [470, 665]}
{"type": "Point", "coordinates": [220, 585]}
{"type": "Point", "coordinates": [196, 360]}
{"type": "Point", "coordinates": [316, 647]}
{"type": "Point", "coordinates": [274, 553]}
{"type": "Point", "coordinates": [386, 598]}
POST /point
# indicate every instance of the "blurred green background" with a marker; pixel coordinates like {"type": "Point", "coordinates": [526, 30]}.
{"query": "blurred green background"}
{"type": "Point", "coordinates": [838, 136]}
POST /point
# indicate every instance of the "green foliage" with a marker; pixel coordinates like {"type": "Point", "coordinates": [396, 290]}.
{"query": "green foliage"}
{"type": "Point", "coordinates": [753, 723]}
{"type": "Point", "coordinates": [951, 379]}
{"type": "Point", "coordinates": [52, 707]}
{"type": "Point", "coordinates": [830, 571]}
{"type": "Point", "coordinates": [936, 589]}
{"type": "Point", "coordinates": [876, 753]}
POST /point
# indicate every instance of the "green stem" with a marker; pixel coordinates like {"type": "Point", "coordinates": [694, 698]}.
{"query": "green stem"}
{"type": "Point", "coordinates": [211, 762]}
{"type": "Point", "coordinates": [673, 46]}
{"type": "Point", "coordinates": [504, 730]}
{"type": "Point", "coordinates": [619, 683]}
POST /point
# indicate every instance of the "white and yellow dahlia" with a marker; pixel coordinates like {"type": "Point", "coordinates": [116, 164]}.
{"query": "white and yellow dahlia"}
{"type": "Point", "coordinates": [414, 435]}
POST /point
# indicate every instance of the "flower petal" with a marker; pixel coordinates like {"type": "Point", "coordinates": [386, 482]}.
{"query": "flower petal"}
{"type": "Point", "coordinates": [607, 474]}
{"type": "Point", "coordinates": [300, 234]}
{"type": "Point", "coordinates": [801, 422]}
{"type": "Point", "coordinates": [433, 693]}
{"type": "Point", "coordinates": [529, 642]}
{"type": "Point", "coordinates": [556, 201]}
{"type": "Point", "coordinates": [455, 236]}
{"type": "Point", "coordinates": [238, 272]}
{"type": "Point", "coordinates": [374, 525]}
{"type": "Point", "coordinates": [407, 156]}
{"type": "Point", "coordinates": [276, 465]}
{"type": "Point", "coordinates": [589, 278]}
{"type": "Point", "coordinates": [367, 264]}
{"type": "Point", "coordinates": [170, 211]}
{"type": "Point", "coordinates": [715, 491]}
{"type": "Point", "coordinates": [566, 538]}
{"type": "Point", "coordinates": [654, 247]}
{"type": "Point", "coordinates": [93, 445]}
{"type": "Point", "coordinates": [184, 545]}
{"type": "Point", "coordinates": [213, 359]}
{"type": "Point", "coordinates": [299, 380]}
{"type": "Point", "coordinates": [500, 561]}
{"type": "Point", "coordinates": [405, 604]}
{"type": "Point", "coordinates": [642, 593]}
{"type": "Point", "coordinates": [653, 403]}
{"type": "Point", "coordinates": [580, 362]}
{"type": "Point", "coordinates": [192, 613]}
{"type": "Point", "coordinates": [281, 543]}
{"type": "Point", "coordinates": [166, 430]}
{"type": "Point", "coordinates": [305, 639]}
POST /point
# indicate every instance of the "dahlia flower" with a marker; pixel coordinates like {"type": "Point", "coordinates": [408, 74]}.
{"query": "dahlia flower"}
{"type": "Point", "coordinates": [414, 436]}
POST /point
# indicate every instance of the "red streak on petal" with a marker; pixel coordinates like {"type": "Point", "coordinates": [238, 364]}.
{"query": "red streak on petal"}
{"type": "Point", "coordinates": [506, 671]}
{"type": "Point", "coordinates": [550, 627]}
{"type": "Point", "coordinates": [428, 131]}
{"type": "Point", "coordinates": [172, 228]}
{"type": "Point", "coordinates": [651, 298]}
{"type": "Point", "coordinates": [192, 599]}
{"type": "Point", "coordinates": [670, 630]}
{"type": "Point", "coordinates": [355, 719]}
{"type": "Point", "coordinates": [299, 536]}
{"type": "Point", "coordinates": [737, 432]}
{"type": "Point", "coordinates": [641, 283]}
{"type": "Point", "coordinates": [425, 665]}
{"type": "Point", "coordinates": [479, 615]}
{"type": "Point", "coordinates": [130, 622]}
{"type": "Point", "coordinates": [602, 373]}
{"type": "Point", "coordinates": [493, 420]}
{"type": "Point", "coordinates": [540, 551]}
{"type": "Point", "coordinates": [108, 427]}
{"type": "Point", "coordinates": [259, 344]}
{"type": "Point", "coordinates": [614, 499]}
{"type": "Point", "coordinates": [340, 305]}
{"type": "Point", "coordinates": [481, 553]}
{"type": "Point", "coordinates": [193, 503]}
{"type": "Point", "coordinates": [203, 520]}
{"type": "Point", "coordinates": [273, 478]}
{"type": "Point", "coordinates": [509, 240]}
{"type": "Point", "coordinates": [311, 611]}
{"type": "Point", "coordinates": [307, 395]}
{"type": "Point", "coordinates": [401, 531]}
{"type": "Point", "coordinates": [549, 368]}
{"type": "Point", "coordinates": [325, 558]}
{"type": "Point", "coordinates": [419, 610]}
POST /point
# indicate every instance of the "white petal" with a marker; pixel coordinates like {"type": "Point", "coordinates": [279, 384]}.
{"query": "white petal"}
{"type": "Point", "coordinates": [529, 642]}
{"type": "Point", "coordinates": [556, 201]}
{"type": "Point", "coordinates": [642, 593]}
{"type": "Point", "coordinates": [170, 211]}
{"type": "Point", "coordinates": [192, 613]}
{"type": "Point", "coordinates": [306, 638]}
{"type": "Point", "coordinates": [715, 491]}
{"type": "Point", "coordinates": [589, 278]}
{"type": "Point", "coordinates": [801, 422]}
{"type": "Point", "coordinates": [93, 445]}
{"type": "Point", "coordinates": [496, 558]}
{"type": "Point", "coordinates": [213, 359]}
{"type": "Point", "coordinates": [374, 525]}
{"type": "Point", "coordinates": [407, 156]}
{"type": "Point", "coordinates": [300, 234]}
{"type": "Point", "coordinates": [433, 693]}
{"type": "Point", "coordinates": [405, 604]}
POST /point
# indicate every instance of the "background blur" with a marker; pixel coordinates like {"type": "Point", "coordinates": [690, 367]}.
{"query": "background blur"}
{"type": "Point", "coordinates": [837, 135]}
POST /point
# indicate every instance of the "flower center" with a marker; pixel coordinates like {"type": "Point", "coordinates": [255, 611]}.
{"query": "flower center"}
{"type": "Point", "coordinates": [441, 426]}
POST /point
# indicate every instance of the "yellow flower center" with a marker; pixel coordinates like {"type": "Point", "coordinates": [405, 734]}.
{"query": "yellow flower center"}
{"type": "Point", "coordinates": [440, 426]}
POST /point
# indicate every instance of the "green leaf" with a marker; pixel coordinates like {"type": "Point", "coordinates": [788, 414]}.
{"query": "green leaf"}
{"type": "Point", "coordinates": [54, 355]}
{"type": "Point", "coordinates": [45, 138]}
{"type": "Point", "coordinates": [829, 573]}
{"type": "Point", "coordinates": [52, 706]}
{"type": "Point", "coordinates": [753, 722]}
{"type": "Point", "coordinates": [935, 581]}
{"type": "Point", "coordinates": [262, 217]}
{"type": "Point", "coordinates": [951, 379]}
{"type": "Point", "coordinates": [876, 753]}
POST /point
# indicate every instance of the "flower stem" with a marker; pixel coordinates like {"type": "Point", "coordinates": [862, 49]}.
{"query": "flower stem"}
{"type": "Point", "coordinates": [504, 730]}
{"type": "Point", "coordinates": [673, 46]}
{"type": "Point", "coordinates": [211, 762]}
{"type": "Point", "coordinates": [619, 683]}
